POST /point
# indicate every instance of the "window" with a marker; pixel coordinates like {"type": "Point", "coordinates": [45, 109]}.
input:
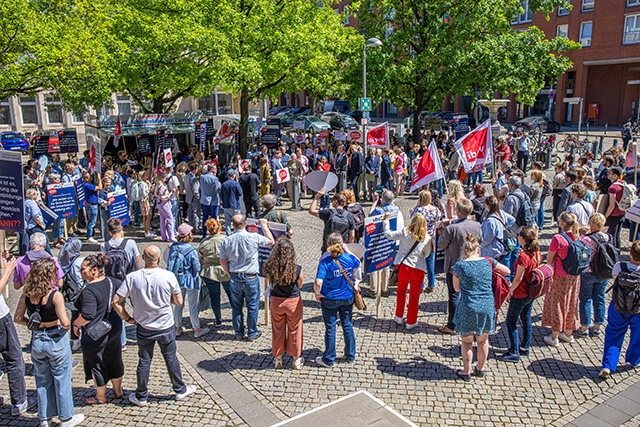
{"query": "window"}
{"type": "Point", "coordinates": [124, 105]}
{"type": "Point", "coordinates": [631, 29]}
{"type": "Point", "coordinates": [5, 112]}
{"type": "Point", "coordinates": [585, 33]}
{"type": "Point", "coordinates": [104, 112]}
{"type": "Point", "coordinates": [526, 16]}
{"type": "Point", "coordinates": [78, 116]}
{"type": "Point", "coordinates": [562, 31]}
{"type": "Point", "coordinates": [54, 110]}
{"type": "Point", "coordinates": [587, 5]}
{"type": "Point", "coordinates": [563, 12]}
{"type": "Point", "coordinates": [633, 2]}
{"type": "Point", "coordinates": [29, 109]}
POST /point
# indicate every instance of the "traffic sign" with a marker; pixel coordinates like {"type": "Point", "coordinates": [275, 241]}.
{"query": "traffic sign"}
{"type": "Point", "coordinates": [364, 104]}
{"type": "Point", "coordinates": [366, 114]}
{"type": "Point", "coordinates": [551, 95]}
{"type": "Point", "coordinates": [364, 121]}
{"type": "Point", "coordinates": [572, 100]}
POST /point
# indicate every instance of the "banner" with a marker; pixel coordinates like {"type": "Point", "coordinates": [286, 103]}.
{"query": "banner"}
{"type": "Point", "coordinates": [118, 133]}
{"type": "Point", "coordinates": [278, 230]}
{"type": "Point", "coordinates": [62, 199]}
{"type": "Point", "coordinates": [201, 135]}
{"type": "Point", "coordinates": [378, 136]}
{"type": "Point", "coordinates": [298, 124]}
{"type": "Point", "coordinates": [48, 216]}
{"type": "Point", "coordinates": [142, 144]}
{"type": "Point", "coordinates": [475, 148]}
{"type": "Point", "coordinates": [40, 146]}
{"type": "Point", "coordinates": [68, 139]}
{"type": "Point", "coordinates": [11, 192]}
{"type": "Point", "coordinates": [355, 135]}
{"type": "Point", "coordinates": [95, 156]}
{"type": "Point", "coordinates": [299, 139]}
{"type": "Point", "coordinates": [80, 196]}
{"type": "Point", "coordinates": [282, 175]}
{"type": "Point", "coordinates": [340, 136]}
{"type": "Point", "coordinates": [428, 169]}
{"type": "Point", "coordinates": [119, 206]}
{"type": "Point", "coordinates": [379, 251]}
{"type": "Point", "coordinates": [168, 157]}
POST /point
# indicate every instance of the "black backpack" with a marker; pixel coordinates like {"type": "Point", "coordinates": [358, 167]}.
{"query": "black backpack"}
{"type": "Point", "coordinates": [546, 188]}
{"type": "Point", "coordinates": [119, 265]}
{"type": "Point", "coordinates": [525, 214]}
{"type": "Point", "coordinates": [358, 219]}
{"type": "Point", "coordinates": [605, 257]}
{"type": "Point", "coordinates": [339, 222]}
{"type": "Point", "coordinates": [70, 289]}
{"type": "Point", "coordinates": [626, 291]}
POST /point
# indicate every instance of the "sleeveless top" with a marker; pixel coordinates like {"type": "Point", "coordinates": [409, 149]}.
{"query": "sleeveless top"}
{"type": "Point", "coordinates": [289, 291]}
{"type": "Point", "coordinates": [47, 310]}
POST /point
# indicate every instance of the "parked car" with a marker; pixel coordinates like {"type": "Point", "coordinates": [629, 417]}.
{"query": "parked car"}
{"type": "Point", "coordinates": [14, 141]}
{"type": "Point", "coordinates": [301, 111]}
{"type": "Point", "coordinates": [286, 120]}
{"type": "Point", "coordinates": [356, 115]}
{"type": "Point", "coordinates": [276, 110]}
{"type": "Point", "coordinates": [314, 124]}
{"type": "Point", "coordinates": [537, 124]}
{"type": "Point", "coordinates": [326, 116]}
{"type": "Point", "coordinates": [450, 117]}
{"type": "Point", "coordinates": [343, 122]}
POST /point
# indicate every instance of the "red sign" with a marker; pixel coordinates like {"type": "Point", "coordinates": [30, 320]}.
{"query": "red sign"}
{"type": "Point", "coordinates": [371, 228]}
{"type": "Point", "coordinates": [52, 191]}
{"type": "Point", "coordinates": [299, 139]}
{"type": "Point", "coordinates": [355, 135]}
{"type": "Point", "coordinates": [323, 134]}
{"type": "Point", "coordinates": [252, 229]}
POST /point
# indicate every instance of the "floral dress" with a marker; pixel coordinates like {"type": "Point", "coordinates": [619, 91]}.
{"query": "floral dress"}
{"type": "Point", "coordinates": [476, 313]}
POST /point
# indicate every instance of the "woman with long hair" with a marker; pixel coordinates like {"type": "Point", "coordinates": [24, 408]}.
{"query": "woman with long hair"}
{"type": "Point", "coordinates": [286, 279]}
{"type": "Point", "coordinates": [536, 196]}
{"type": "Point", "coordinates": [432, 215]}
{"type": "Point", "coordinates": [475, 315]}
{"type": "Point", "coordinates": [265, 177]}
{"type": "Point", "coordinates": [520, 304]}
{"type": "Point", "coordinates": [102, 356]}
{"type": "Point", "coordinates": [456, 193]}
{"type": "Point", "coordinates": [493, 229]}
{"type": "Point", "coordinates": [415, 246]}
{"type": "Point", "coordinates": [163, 203]}
{"type": "Point", "coordinates": [212, 273]}
{"type": "Point", "coordinates": [145, 202]}
{"type": "Point", "coordinates": [50, 349]}
{"type": "Point", "coordinates": [398, 171]}
{"type": "Point", "coordinates": [560, 311]}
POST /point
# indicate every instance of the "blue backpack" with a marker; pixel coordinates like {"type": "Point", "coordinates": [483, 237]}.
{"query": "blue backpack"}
{"type": "Point", "coordinates": [577, 260]}
{"type": "Point", "coordinates": [178, 265]}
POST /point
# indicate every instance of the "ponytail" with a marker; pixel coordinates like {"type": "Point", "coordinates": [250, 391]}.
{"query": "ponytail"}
{"type": "Point", "coordinates": [571, 220]}
{"type": "Point", "coordinates": [335, 251]}
{"type": "Point", "coordinates": [530, 238]}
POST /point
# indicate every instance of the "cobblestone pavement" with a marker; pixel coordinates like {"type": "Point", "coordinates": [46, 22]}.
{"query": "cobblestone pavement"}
{"type": "Point", "coordinates": [413, 372]}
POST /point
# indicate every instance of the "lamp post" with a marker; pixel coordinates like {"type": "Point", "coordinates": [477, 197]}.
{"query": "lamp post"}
{"type": "Point", "coordinates": [372, 42]}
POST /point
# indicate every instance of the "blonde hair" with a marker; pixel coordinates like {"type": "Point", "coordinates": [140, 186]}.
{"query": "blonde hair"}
{"type": "Point", "coordinates": [597, 220]}
{"type": "Point", "coordinates": [571, 221]}
{"type": "Point", "coordinates": [456, 191]}
{"type": "Point", "coordinates": [350, 196]}
{"type": "Point", "coordinates": [424, 198]}
{"type": "Point", "coordinates": [470, 245]}
{"type": "Point", "coordinates": [418, 227]}
{"type": "Point", "coordinates": [213, 226]}
{"type": "Point", "coordinates": [536, 176]}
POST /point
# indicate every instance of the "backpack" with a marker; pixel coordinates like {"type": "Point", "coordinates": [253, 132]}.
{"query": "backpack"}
{"type": "Point", "coordinates": [626, 291]}
{"type": "Point", "coordinates": [509, 238]}
{"type": "Point", "coordinates": [577, 260]}
{"type": "Point", "coordinates": [629, 196]}
{"type": "Point", "coordinates": [119, 264]}
{"type": "Point", "coordinates": [605, 257]}
{"type": "Point", "coordinates": [500, 286]}
{"type": "Point", "coordinates": [136, 192]}
{"type": "Point", "coordinates": [540, 280]}
{"type": "Point", "coordinates": [358, 219]}
{"type": "Point", "coordinates": [70, 289]}
{"type": "Point", "coordinates": [338, 222]}
{"type": "Point", "coordinates": [178, 265]}
{"type": "Point", "coordinates": [546, 188]}
{"type": "Point", "coordinates": [525, 214]}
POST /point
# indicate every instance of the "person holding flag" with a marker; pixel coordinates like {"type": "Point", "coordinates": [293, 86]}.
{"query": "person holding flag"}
{"type": "Point", "coordinates": [475, 148]}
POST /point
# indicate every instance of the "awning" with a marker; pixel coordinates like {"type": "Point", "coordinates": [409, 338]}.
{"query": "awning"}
{"type": "Point", "coordinates": [149, 123]}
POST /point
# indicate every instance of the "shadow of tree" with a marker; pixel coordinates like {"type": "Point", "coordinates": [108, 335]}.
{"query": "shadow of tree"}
{"type": "Point", "coordinates": [562, 370]}
{"type": "Point", "coordinates": [418, 369]}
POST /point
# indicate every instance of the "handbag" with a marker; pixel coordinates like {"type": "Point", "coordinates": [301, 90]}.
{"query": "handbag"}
{"type": "Point", "coordinates": [357, 296]}
{"type": "Point", "coordinates": [393, 280]}
{"type": "Point", "coordinates": [101, 328]}
{"type": "Point", "coordinates": [35, 319]}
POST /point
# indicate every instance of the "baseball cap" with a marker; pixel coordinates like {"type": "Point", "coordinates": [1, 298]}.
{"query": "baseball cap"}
{"type": "Point", "coordinates": [184, 229]}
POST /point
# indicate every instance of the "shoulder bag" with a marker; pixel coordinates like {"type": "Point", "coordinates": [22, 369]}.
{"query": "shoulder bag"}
{"type": "Point", "coordinates": [393, 280]}
{"type": "Point", "coordinates": [357, 296]}
{"type": "Point", "coordinates": [101, 328]}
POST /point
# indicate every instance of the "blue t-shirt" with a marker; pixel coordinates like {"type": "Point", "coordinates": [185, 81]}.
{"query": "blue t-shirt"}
{"type": "Point", "coordinates": [334, 285]}
{"type": "Point", "coordinates": [90, 193]}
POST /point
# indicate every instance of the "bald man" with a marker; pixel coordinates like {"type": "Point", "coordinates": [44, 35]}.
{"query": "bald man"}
{"type": "Point", "coordinates": [152, 291]}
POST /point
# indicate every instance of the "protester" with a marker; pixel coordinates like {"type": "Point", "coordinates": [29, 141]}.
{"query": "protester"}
{"type": "Point", "coordinates": [614, 214]}
{"type": "Point", "coordinates": [70, 261]}
{"type": "Point", "coordinates": [230, 193]}
{"type": "Point", "coordinates": [33, 220]}
{"type": "Point", "coordinates": [277, 163]}
{"type": "Point", "coordinates": [433, 216]}
{"type": "Point", "coordinates": [571, 178]}
{"type": "Point", "coordinates": [356, 162]}
{"type": "Point", "coordinates": [37, 245]}
{"type": "Point", "coordinates": [336, 219]}
{"type": "Point", "coordinates": [239, 259]}
{"type": "Point", "coordinates": [398, 172]}
{"type": "Point", "coordinates": [163, 203]}
{"type": "Point", "coordinates": [265, 177]}
{"type": "Point", "coordinates": [212, 273]}
{"type": "Point", "coordinates": [101, 354]}
{"type": "Point", "coordinates": [358, 213]}
{"type": "Point", "coordinates": [332, 287]}
{"type": "Point", "coordinates": [494, 230]}
{"type": "Point", "coordinates": [249, 182]}
{"type": "Point", "coordinates": [50, 349]}
{"type": "Point", "coordinates": [523, 150]}
{"type": "Point", "coordinates": [415, 246]}
{"type": "Point", "coordinates": [296, 172]}
{"type": "Point", "coordinates": [192, 196]}
{"type": "Point", "coordinates": [286, 279]}
{"type": "Point", "coordinates": [456, 193]}
{"type": "Point", "coordinates": [583, 210]}
{"type": "Point", "coordinates": [152, 290]}
{"type": "Point", "coordinates": [537, 199]}
{"type": "Point", "coordinates": [558, 185]}
{"type": "Point", "coordinates": [210, 195]}
{"type": "Point", "coordinates": [386, 173]}
{"type": "Point", "coordinates": [103, 209]}
{"type": "Point", "coordinates": [372, 171]}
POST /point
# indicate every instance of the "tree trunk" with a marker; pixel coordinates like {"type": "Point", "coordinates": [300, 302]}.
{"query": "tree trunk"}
{"type": "Point", "coordinates": [244, 121]}
{"type": "Point", "coordinates": [157, 106]}
{"type": "Point", "coordinates": [312, 104]}
{"type": "Point", "coordinates": [419, 104]}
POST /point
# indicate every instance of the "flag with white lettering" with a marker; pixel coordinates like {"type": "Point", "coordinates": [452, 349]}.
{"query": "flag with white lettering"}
{"type": "Point", "coordinates": [475, 148]}
{"type": "Point", "coordinates": [429, 168]}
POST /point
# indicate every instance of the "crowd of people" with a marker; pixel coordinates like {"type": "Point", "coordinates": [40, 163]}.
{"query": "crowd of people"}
{"type": "Point", "coordinates": [486, 232]}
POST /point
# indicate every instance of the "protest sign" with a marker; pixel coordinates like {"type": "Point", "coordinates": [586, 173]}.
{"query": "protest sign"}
{"type": "Point", "coordinates": [460, 126]}
{"type": "Point", "coordinates": [119, 206]}
{"type": "Point", "coordinates": [68, 140]}
{"type": "Point", "coordinates": [242, 164]}
{"type": "Point", "coordinates": [201, 135]}
{"type": "Point", "coordinates": [340, 136]}
{"type": "Point", "coordinates": [142, 144]}
{"type": "Point", "coordinates": [62, 199]}
{"type": "Point", "coordinates": [379, 251]}
{"type": "Point", "coordinates": [318, 141]}
{"type": "Point", "coordinates": [298, 124]}
{"type": "Point", "coordinates": [168, 157]}
{"type": "Point", "coordinates": [278, 230]}
{"type": "Point", "coordinates": [271, 137]}
{"type": "Point", "coordinates": [299, 139]}
{"type": "Point", "coordinates": [80, 196]}
{"type": "Point", "coordinates": [282, 175]}
{"type": "Point", "coordinates": [11, 192]}
{"type": "Point", "coordinates": [48, 216]}
{"type": "Point", "coordinates": [95, 156]}
{"type": "Point", "coordinates": [323, 134]}
{"type": "Point", "coordinates": [160, 137]}
{"type": "Point", "coordinates": [355, 135]}
{"type": "Point", "coordinates": [317, 180]}
{"type": "Point", "coordinates": [41, 146]}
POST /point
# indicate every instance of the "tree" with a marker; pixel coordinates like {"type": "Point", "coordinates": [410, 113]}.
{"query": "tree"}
{"type": "Point", "coordinates": [442, 47]}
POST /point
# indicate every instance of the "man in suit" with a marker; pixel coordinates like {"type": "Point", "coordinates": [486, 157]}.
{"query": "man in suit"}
{"type": "Point", "coordinates": [192, 196]}
{"type": "Point", "coordinates": [276, 164]}
{"type": "Point", "coordinates": [386, 174]}
{"type": "Point", "coordinates": [340, 167]}
{"type": "Point", "coordinates": [209, 195]}
{"type": "Point", "coordinates": [355, 169]}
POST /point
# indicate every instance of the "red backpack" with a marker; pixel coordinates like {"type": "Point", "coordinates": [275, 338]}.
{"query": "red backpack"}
{"type": "Point", "coordinates": [500, 286]}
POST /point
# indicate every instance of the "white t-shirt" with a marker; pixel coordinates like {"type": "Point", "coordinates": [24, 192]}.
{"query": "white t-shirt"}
{"type": "Point", "coordinates": [150, 291]}
{"type": "Point", "coordinates": [4, 308]}
{"type": "Point", "coordinates": [583, 211]}
{"type": "Point", "coordinates": [173, 182]}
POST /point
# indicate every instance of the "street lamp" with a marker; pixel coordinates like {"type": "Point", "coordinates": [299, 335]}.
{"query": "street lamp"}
{"type": "Point", "coordinates": [372, 42]}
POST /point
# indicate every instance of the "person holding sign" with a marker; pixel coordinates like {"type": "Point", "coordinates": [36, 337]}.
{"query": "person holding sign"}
{"type": "Point", "coordinates": [33, 220]}
{"type": "Point", "coordinates": [57, 230]}
{"type": "Point", "coordinates": [91, 206]}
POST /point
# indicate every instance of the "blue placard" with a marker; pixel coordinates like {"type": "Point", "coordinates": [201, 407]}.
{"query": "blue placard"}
{"type": "Point", "coordinates": [460, 126]}
{"type": "Point", "coordinates": [379, 251]}
{"type": "Point", "coordinates": [48, 216]}
{"type": "Point", "coordinates": [11, 192]}
{"type": "Point", "coordinates": [62, 199]}
{"type": "Point", "coordinates": [80, 196]}
{"type": "Point", "coordinates": [119, 206]}
{"type": "Point", "coordinates": [277, 230]}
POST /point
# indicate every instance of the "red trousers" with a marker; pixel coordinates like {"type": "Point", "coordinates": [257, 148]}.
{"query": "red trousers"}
{"type": "Point", "coordinates": [415, 277]}
{"type": "Point", "coordinates": [286, 326]}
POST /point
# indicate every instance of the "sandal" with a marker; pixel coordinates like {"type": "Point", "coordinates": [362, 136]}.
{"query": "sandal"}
{"type": "Point", "coordinates": [446, 330]}
{"type": "Point", "coordinates": [464, 377]}
{"type": "Point", "coordinates": [93, 401]}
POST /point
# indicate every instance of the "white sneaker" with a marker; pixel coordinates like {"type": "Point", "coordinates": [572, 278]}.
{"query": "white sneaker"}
{"type": "Point", "coordinates": [179, 331]}
{"type": "Point", "coordinates": [604, 373]}
{"type": "Point", "coordinates": [551, 342]}
{"type": "Point", "coordinates": [564, 338]}
{"type": "Point", "coordinates": [298, 363]}
{"type": "Point", "coordinates": [398, 320]}
{"type": "Point", "coordinates": [75, 346]}
{"type": "Point", "coordinates": [415, 325]}
{"type": "Point", "coordinates": [277, 363]}
{"type": "Point", "coordinates": [73, 421]}
{"type": "Point", "coordinates": [19, 409]}
{"type": "Point", "coordinates": [133, 399]}
{"type": "Point", "coordinates": [202, 332]}
{"type": "Point", "coordinates": [91, 240]}
{"type": "Point", "coordinates": [320, 362]}
{"type": "Point", "coordinates": [45, 423]}
{"type": "Point", "coordinates": [188, 392]}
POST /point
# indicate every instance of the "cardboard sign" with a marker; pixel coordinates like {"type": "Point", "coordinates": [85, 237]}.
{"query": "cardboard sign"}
{"type": "Point", "coordinates": [355, 135]}
{"type": "Point", "coordinates": [340, 136]}
{"type": "Point", "coordinates": [168, 157]}
{"type": "Point", "coordinates": [119, 206]}
{"type": "Point", "coordinates": [242, 164]}
{"type": "Point", "coordinates": [379, 251]}
{"type": "Point", "coordinates": [68, 139]}
{"type": "Point", "coordinates": [323, 134]}
{"type": "Point", "coordinates": [216, 143]}
{"type": "Point", "coordinates": [318, 141]}
{"type": "Point", "coordinates": [11, 192]}
{"type": "Point", "coordinates": [48, 216]}
{"type": "Point", "coordinates": [298, 124]}
{"type": "Point", "coordinates": [80, 196]}
{"type": "Point", "coordinates": [282, 175]}
{"type": "Point", "coordinates": [277, 230]}
{"type": "Point", "coordinates": [309, 152]}
{"type": "Point", "coordinates": [62, 199]}
{"type": "Point", "coordinates": [299, 139]}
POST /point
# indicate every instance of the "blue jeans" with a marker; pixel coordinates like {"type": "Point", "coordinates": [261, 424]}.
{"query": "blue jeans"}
{"type": "Point", "coordinates": [104, 217]}
{"type": "Point", "coordinates": [228, 215]}
{"type": "Point", "coordinates": [174, 214]}
{"type": "Point", "coordinates": [208, 212]}
{"type": "Point", "coordinates": [431, 270]}
{"type": "Point", "coordinates": [519, 308]}
{"type": "Point", "coordinates": [510, 260]}
{"type": "Point", "coordinates": [51, 357]}
{"type": "Point", "coordinates": [136, 212]}
{"type": "Point", "coordinates": [57, 229]}
{"type": "Point", "coordinates": [92, 218]}
{"type": "Point", "coordinates": [214, 295]}
{"type": "Point", "coordinates": [540, 213]}
{"type": "Point", "coordinates": [324, 202]}
{"type": "Point", "coordinates": [245, 288]}
{"type": "Point", "coordinates": [438, 186]}
{"type": "Point", "coordinates": [617, 326]}
{"type": "Point", "coordinates": [331, 309]}
{"type": "Point", "coordinates": [592, 289]}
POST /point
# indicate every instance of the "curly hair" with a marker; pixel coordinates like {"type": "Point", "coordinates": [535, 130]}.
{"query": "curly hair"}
{"type": "Point", "coordinates": [40, 278]}
{"type": "Point", "coordinates": [213, 226]}
{"type": "Point", "coordinates": [281, 267]}
{"type": "Point", "coordinates": [98, 261]}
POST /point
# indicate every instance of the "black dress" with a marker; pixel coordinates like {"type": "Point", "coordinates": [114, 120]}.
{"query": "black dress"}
{"type": "Point", "coordinates": [102, 358]}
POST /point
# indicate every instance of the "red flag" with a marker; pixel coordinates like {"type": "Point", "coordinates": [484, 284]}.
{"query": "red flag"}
{"type": "Point", "coordinates": [378, 136]}
{"type": "Point", "coordinates": [117, 134]}
{"type": "Point", "coordinates": [429, 168]}
{"type": "Point", "coordinates": [475, 148]}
